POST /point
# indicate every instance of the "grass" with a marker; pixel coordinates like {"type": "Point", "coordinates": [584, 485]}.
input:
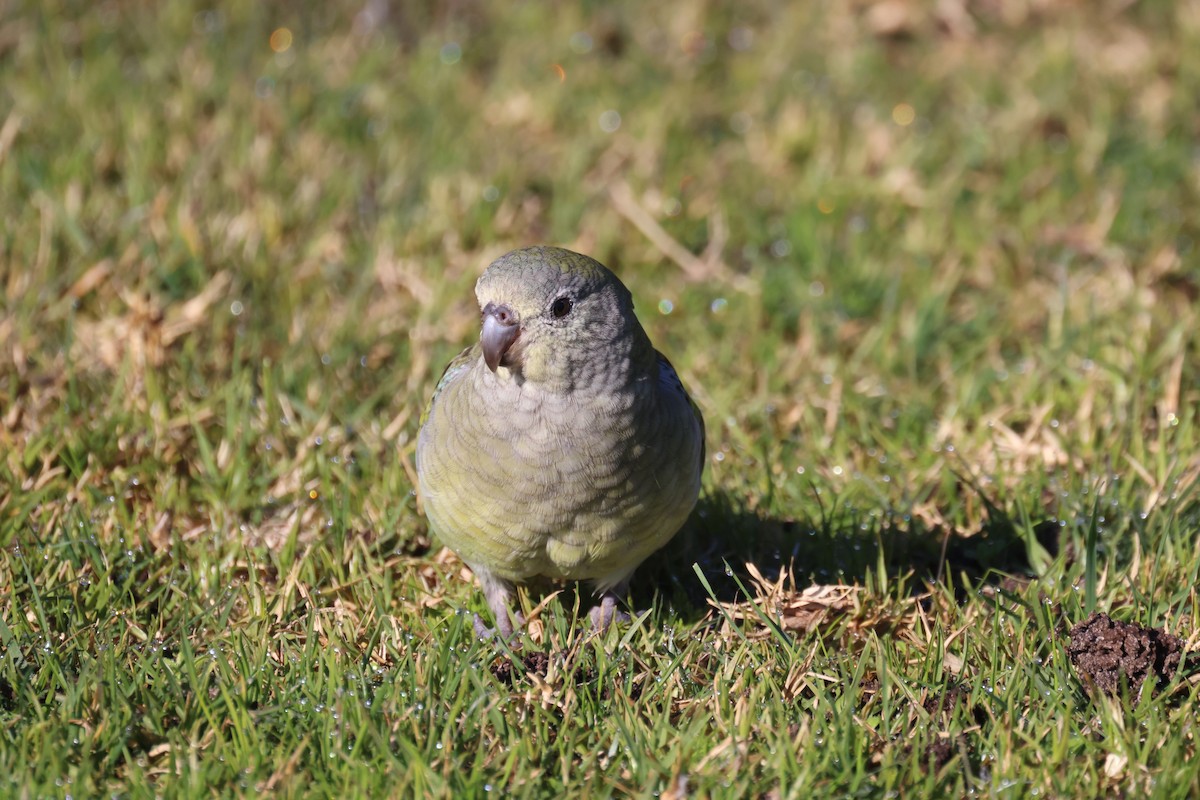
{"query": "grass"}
{"type": "Point", "coordinates": [929, 270]}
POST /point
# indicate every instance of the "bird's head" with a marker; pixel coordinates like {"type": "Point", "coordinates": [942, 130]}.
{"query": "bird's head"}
{"type": "Point", "coordinates": [557, 318]}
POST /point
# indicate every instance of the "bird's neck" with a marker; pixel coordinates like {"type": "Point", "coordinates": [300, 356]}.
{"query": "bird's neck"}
{"type": "Point", "coordinates": [624, 361]}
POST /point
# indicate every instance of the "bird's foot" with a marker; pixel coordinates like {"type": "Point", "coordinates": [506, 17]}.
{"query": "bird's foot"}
{"type": "Point", "coordinates": [606, 613]}
{"type": "Point", "coordinates": [482, 630]}
{"type": "Point", "coordinates": [504, 628]}
{"type": "Point", "coordinates": [500, 598]}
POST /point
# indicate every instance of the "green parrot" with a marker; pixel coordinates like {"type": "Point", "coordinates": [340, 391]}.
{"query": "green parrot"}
{"type": "Point", "coordinates": [562, 445]}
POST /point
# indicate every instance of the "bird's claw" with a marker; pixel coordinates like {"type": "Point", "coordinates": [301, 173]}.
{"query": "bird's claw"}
{"type": "Point", "coordinates": [482, 630]}
{"type": "Point", "coordinates": [504, 628]}
{"type": "Point", "coordinates": [606, 613]}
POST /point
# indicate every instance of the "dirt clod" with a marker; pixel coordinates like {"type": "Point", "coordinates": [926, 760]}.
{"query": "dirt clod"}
{"type": "Point", "coordinates": [537, 663]}
{"type": "Point", "coordinates": [1103, 649]}
{"type": "Point", "coordinates": [944, 703]}
{"type": "Point", "coordinates": [939, 752]}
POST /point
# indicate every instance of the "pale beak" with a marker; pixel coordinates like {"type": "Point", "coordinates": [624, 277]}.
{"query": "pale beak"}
{"type": "Point", "coordinates": [500, 329]}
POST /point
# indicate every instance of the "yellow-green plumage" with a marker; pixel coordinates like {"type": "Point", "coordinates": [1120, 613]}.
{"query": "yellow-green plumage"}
{"type": "Point", "coordinates": [562, 445]}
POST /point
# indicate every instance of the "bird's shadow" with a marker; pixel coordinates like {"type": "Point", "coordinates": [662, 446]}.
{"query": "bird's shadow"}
{"type": "Point", "coordinates": [724, 535]}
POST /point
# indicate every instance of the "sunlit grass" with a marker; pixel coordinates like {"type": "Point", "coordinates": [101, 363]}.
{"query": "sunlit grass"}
{"type": "Point", "coordinates": [929, 272]}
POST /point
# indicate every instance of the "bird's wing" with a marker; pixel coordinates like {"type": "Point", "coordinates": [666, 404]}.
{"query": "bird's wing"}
{"type": "Point", "coordinates": [457, 366]}
{"type": "Point", "coordinates": [670, 379]}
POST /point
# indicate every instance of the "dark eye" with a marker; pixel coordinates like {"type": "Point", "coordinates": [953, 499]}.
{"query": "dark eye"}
{"type": "Point", "coordinates": [561, 307]}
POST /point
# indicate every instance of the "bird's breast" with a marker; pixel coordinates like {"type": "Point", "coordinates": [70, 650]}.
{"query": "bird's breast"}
{"type": "Point", "coordinates": [571, 486]}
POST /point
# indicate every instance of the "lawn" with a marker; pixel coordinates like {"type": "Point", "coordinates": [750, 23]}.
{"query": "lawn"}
{"type": "Point", "coordinates": [929, 270]}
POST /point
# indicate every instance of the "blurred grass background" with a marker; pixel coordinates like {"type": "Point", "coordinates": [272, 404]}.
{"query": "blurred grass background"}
{"type": "Point", "coordinates": [928, 268]}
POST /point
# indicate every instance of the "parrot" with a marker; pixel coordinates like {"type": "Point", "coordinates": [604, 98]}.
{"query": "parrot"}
{"type": "Point", "coordinates": [562, 445]}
